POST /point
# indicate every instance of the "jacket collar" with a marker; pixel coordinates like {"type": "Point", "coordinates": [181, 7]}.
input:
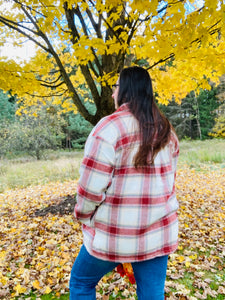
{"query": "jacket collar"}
{"type": "Point", "coordinates": [123, 107]}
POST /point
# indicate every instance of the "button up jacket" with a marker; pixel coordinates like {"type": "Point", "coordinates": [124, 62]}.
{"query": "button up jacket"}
{"type": "Point", "coordinates": [128, 214]}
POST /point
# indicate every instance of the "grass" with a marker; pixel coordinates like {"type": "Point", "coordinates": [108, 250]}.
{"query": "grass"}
{"type": "Point", "coordinates": [50, 296]}
{"type": "Point", "coordinates": [61, 166]}
{"type": "Point", "coordinates": [22, 172]}
{"type": "Point", "coordinates": [201, 154]}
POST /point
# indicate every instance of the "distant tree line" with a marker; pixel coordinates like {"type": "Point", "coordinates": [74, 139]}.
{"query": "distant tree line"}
{"type": "Point", "coordinates": [195, 117]}
{"type": "Point", "coordinates": [199, 116]}
{"type": "Point", "coordinates": [38, 130]}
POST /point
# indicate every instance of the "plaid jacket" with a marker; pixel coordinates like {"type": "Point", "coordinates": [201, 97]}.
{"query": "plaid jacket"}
{"type": "Point", "coordinates": [128, 214]}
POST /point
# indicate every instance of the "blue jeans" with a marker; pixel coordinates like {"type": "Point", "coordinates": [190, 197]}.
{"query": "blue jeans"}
{"type": "Point", "coordinates": [150, 276]}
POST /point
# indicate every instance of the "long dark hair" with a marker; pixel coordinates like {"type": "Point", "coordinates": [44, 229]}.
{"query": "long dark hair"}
{"type": "Point", "coordinates": [135, 88]}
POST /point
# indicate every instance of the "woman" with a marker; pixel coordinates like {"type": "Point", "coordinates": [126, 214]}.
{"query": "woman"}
{"type": "Point", "coordinates": [126, 193]}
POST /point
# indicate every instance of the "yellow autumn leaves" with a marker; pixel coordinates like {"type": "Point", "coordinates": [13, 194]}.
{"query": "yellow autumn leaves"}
{"type": "Point", "coordinates": [200, 258]}
{"type": "Point", "coordinates": [183, 48]}
{"type": "Point", "coordinates": [37, 252]}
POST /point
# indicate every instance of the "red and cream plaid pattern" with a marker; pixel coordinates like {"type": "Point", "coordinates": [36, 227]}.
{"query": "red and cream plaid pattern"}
{"type": "Point", "coordinates": [128, 214]}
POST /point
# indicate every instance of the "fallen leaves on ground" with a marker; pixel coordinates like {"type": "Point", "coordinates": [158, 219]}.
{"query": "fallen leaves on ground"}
{"type": "Point", "coordinates": [38, 245]}
{"type": "Point", "coordinates": [197, 269]}
{"type": "Point", "coordinates": [36, 252]}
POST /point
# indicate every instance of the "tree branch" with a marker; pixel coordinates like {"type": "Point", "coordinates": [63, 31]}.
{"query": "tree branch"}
{"type": "Point", "coordinates": [46, 96]}
{"type": "Point", "coordinates": [93, 69]}
{"type": "Point", "coordinates": [95, 25]}
{"type": "Point", "coordinates": [29, 17]}
{"type": "Point", "coordinates": [75, 97]}
{"type": "Point", "coordinates": [162, 9]}
{"type": "Point", "coordinates": [82, 109]}
{"type": "Point", "coordinates": [79, 15]}
{"type": "Point", "coordinates": [71, 24]}
{"type": "Point", "coordinates": [52, 86]}
{"type": "Point", "coordinates": [133, 29]}
{"type": "Point", "coordinates": [198, 40]}
{"type": "Point", "coordinates": [52, 82]}
{"type": "Point", "coordinates": [84, 68]}
{"type": "Point", "coordinates": [23, 33]}
{"type": "Point", "coordinates": [214, 26]}
{"type": "Point", "coordinates": [161, 61]}
{"type": "Point", "coordinates": [17, 24]}
{"type": "Point", "coordinates": [30, 8]}
{"type": "Point", "coordinates": [109, 26]}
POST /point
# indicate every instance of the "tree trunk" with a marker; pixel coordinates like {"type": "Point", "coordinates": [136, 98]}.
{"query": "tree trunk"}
{"type": "Point", "coordinates": [198, 117]}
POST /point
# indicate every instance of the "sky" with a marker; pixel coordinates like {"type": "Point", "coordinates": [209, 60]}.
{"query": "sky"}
{"type": "Point", "coordinates": [16, 53]}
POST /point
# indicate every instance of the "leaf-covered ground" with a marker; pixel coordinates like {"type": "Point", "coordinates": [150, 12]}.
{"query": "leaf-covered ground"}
{"type": "Point", "coordinates": [39, 241]}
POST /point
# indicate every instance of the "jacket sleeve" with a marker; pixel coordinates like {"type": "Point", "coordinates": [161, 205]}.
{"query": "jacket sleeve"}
{"type": "Point", "coordinates": [95, 177]}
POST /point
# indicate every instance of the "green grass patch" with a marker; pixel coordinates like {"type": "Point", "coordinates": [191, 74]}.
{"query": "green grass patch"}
{"type": "Point", "coordinates": [200, 154]}
{"type": "Point", "coordinates": [50, 296]}
{"type": "Point", "coordinates": [23, 172]}
{"type": "Point", "coordinates": [188, 282]}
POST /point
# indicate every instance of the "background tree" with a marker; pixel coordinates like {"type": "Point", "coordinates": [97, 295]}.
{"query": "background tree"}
{"type": "Point", "coordinates": [33, 134]}
{"type": "Point", "coordinates": [7, 107]}
{"type": "Point", "coordinates": [195, 116]}
{"type": "Point", "coordinates": [89, 42]}
{"type": "Point", "coordinates": [219, 128]}
{"type": "Point", "coordinates": [7, 117]}
{"type": "Point", "coordinates": [208, 103]}
{"type": "Point", "coordinates": [4, 134]}
{"type": "Point", "coordinates": [77, 131]}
